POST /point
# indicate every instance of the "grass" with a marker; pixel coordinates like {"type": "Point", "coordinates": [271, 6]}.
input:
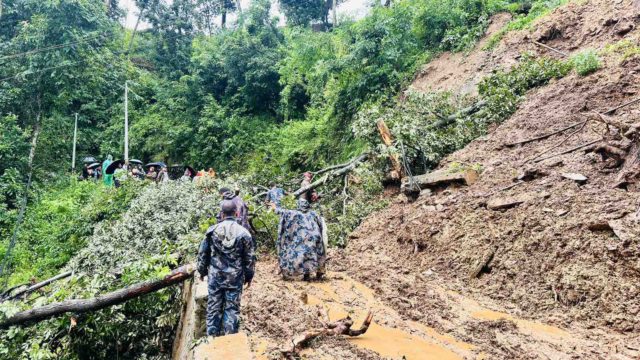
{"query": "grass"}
{"type": "Point", "coordinates": [521, 22]}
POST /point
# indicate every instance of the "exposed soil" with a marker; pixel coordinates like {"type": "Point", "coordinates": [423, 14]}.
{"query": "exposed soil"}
{"type": "Point", "coordinates": [571, 28]}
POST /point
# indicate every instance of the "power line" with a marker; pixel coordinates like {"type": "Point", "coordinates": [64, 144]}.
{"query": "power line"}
{"type": "Point", "coordinates": [54, 47]}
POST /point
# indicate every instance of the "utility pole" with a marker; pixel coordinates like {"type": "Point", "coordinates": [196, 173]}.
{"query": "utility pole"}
{"type": "Point", "coordinates": [335, 16]}
{"type": "Point", "coordinates": [75, 138]}
{"type": "Point", "coordinates": [126, 121]}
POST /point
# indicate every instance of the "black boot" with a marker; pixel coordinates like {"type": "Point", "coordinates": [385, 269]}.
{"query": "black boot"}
{"type": "Point", "coordinates": [306, 277]}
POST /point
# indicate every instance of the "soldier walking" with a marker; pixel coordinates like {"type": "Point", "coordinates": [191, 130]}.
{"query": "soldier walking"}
{"type": "Point", "coordinates": [227, 257]}
{"type": "Point", "coordinates": [301, 241]}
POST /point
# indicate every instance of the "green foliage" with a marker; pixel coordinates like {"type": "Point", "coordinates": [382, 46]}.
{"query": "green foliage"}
{"type": "Point", "coordinates": [136, 246]}
{"type": "Point", "coordinates": [58, 223]}
{"type": "Point", "coordinates": [451, 24]}
{"type": "Point", "coordinates": [503, 89]}
{"type": "Point", "coordinates": [302, 12]}
{"type": "Point", "coordinates": [625, 49]}
{"type": "Point", "coordinates": [586, 62]}
{"type": "Point", "coordinates": [412, 121]}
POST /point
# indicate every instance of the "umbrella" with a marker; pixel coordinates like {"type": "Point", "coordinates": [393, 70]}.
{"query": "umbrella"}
{"type": "Point", "coordinates": [193, 172]}
{"type": "Point", "coordinates": [89, 159]}
{"type": "Point", "coordinates": [157, 164]}
{"type": "Point", "coordinates": [94, 165]}
{"type": "Point", "coordinates": [135, 161]}
{"type": "Point", "coordinates": [113, 166]}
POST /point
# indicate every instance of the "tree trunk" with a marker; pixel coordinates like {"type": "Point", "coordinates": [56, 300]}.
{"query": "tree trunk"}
{"type": "Point", "coordinates": [224, 19]}
{"type": "Point", "coordinates": [335, 13]}
{"type": "Point", "coordinates": [387, 138]}
{"type": "Point", "coordinates": [102, 301]}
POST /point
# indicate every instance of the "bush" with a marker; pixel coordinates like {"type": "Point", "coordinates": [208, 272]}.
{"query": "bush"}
{"type": "Point", "coordinates": [586, 62]}
{"type": "Point", "coordinates": [58, 223]}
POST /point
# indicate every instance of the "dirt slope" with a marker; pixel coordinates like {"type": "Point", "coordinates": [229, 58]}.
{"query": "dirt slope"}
{"type": "Point", "coordinates": [571, 28]}
{"type": "Point", "coordinates": [569, 254]}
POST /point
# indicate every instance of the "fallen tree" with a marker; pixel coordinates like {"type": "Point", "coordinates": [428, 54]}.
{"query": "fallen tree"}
{"type": "Point", "coordinates": [445, 121]}
{"type": "Point", "coordinates": [340, 327]}
{"type": "Point", "coordinates": [333, 173]}
{"type": "Point", "coordinates": [113, 298]}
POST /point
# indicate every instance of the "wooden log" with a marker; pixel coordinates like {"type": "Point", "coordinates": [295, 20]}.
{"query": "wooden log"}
{"type": "Point", "coordinates": [99, 302]}
{"type": "Point", "coordinates": [39, 285]}
{"type": "Point", "coordinates": [440, 178]}
{"type": "Point", "coordinates": [387, 139]}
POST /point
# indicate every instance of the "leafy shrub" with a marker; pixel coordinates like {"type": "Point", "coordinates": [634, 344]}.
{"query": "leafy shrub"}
{"type": "Point", "coordinates": [136, 247]}
{"type": "Point", "coordinates": [586, 62]}
{"type": "Point", "coordinates": [503, 88]}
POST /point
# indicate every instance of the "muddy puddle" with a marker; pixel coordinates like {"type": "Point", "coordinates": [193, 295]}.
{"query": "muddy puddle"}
{"type": "Point", "coordinates": [343, 296]}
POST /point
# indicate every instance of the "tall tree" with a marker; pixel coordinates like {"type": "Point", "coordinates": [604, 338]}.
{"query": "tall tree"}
{"type": "Point", "coordinates": [304, 12]}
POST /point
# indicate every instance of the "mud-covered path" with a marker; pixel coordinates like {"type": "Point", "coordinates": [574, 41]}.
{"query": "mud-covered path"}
{"type": "Point", "coordinates": [438, 324]}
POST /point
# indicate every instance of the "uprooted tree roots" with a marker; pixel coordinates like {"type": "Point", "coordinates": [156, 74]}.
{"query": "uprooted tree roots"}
{"type": "Point", "coordinates": [340, 327]}
{"type": "Point", "coordinates": [621, 150]}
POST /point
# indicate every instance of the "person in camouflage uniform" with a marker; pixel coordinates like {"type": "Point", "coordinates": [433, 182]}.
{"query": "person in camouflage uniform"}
{"type": "Point", "coordinates": [301, 249]}
{"type": "Point", "coordinates": [227, 257]}
{"type": "Point", "coordinates": [242, 215]}
{"type": "Point", "coordinates": [275, 194]}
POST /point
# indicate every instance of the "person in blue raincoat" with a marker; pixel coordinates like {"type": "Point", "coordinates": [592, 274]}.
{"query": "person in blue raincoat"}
{"type": "Point", "coordinates": [227, 257]}
{"type": "Point", "coordinates": [242, 208]}
{"type": "Point", "coordinates": [275, 194]}
{"type": "Point", "coordinates": [301, 245]}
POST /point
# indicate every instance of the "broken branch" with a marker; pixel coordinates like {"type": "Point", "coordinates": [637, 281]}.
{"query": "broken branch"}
{"type": "Point", "coordinates": [541, 137]}
{"type": "Point", "coordinates": [550, 48]}
{"type": "Point", "coordinates": [113, 298]}
{"type": "Point", "coordinates": [611, 111]}
{"type": "Point", "coordinates": [568, 151]}
{"type": "Point", "coordinates": [39, 285]}
{"type": "Point", "coordinates": [557, 144]}
{"type": "Point", "coordinates": [340, 327]}
{"type": "Point", "coordinates": [335, 173]}
{"type": "Point", "coordinates": [464, 112]}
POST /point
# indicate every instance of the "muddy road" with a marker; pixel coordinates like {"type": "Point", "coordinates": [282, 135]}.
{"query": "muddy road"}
{"type": "Point", "coordinates": [435, 323]}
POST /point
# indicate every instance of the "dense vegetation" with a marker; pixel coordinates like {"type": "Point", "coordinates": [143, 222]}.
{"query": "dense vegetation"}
{"type": "Point", "coordinates": [245, 96]}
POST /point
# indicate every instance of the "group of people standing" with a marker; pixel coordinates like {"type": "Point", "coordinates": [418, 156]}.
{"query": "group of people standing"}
{"type": "Point", "coordinates": [227, 254]}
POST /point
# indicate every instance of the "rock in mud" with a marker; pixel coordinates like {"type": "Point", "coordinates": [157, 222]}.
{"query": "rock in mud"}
{"type": "Point", "coordinates": [502, 203]}
{"type": "Point", "coordinates": [579, 178]}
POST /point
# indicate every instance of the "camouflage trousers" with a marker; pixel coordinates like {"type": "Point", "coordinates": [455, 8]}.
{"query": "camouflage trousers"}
{"type": "Point", "coordinates": [223, 309]}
